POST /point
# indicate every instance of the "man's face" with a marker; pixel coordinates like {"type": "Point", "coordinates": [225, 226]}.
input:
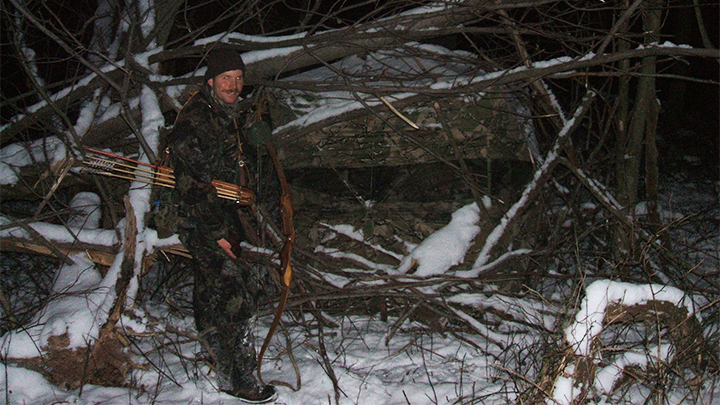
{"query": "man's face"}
{"type": "Point", "coordinates": [227, 85]}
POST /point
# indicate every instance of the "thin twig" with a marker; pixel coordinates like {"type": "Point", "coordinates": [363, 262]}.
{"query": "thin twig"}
{"type": "Point", "coordinates": [398, 113]}
{"type": "Point", "coordinates": [64, 169]}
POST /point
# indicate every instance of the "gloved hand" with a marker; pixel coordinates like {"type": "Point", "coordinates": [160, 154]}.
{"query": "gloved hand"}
{"type": "Point", "coordinates": [259, 133]}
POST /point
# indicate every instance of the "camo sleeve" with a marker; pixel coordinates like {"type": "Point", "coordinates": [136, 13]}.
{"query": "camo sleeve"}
{"type": "Point", "coordinates": [193, 163]}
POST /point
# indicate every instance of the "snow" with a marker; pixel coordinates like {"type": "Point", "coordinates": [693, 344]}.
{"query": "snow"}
{"type": "Point", "coordinates": [61, 234]}
{"type": "Point", "coordinates": [666, 44]}
{"type": "Point", "coordinates": [601, 293]}
{"type": "Point", "coordinates": [523, 310]}
{"type": "Point", "coordinates": [87, 207]}
{"type": "Point", "coordinates": [337, 253]}
{"type": "Point", "coordinates": [416, 366]}
{"type": "Point", "coordinates": [74, 312]}
{"type": "Point", "coordinates": [642, 208]}
{"type": "Point", "coordinates": [256, 56]}
{"type": "Point", "coordinates": [146, 10]}
{"type": "Point", "coordinates": [368, 371]}
{"type": "Point", "coordinates": [426, 9]}
{"type": "Point", "coordinates": [415, 66]}
{"type": "Point", "coordinates": [14, 156]}
{"type": "Point", "coordinates": [358, 235]}
{"type": "Point", "coordinates": [608, 375]}
{"type": "Point", "coordinates": [87, 115]}
{"type": "Point", "coordinates": [446, 247]}
{"type": "Point", "coordinates": [27, 387]}
{"type": "Point", "coordinates": [226, 37]}
{"type": "Point", "coordinates": [589, 323]}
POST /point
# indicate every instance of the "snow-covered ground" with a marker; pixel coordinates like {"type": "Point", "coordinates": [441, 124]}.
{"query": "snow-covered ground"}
{"type": "Point", "coordinates": [415, 366]}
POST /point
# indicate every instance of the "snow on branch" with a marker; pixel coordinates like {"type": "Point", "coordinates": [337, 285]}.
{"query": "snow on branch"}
{"type": "Point", "coordinates": [533, 188]}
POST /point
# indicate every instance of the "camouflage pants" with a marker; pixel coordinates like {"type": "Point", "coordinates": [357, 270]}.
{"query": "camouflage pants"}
{"type": "Point", "coordinates": [225, 301]}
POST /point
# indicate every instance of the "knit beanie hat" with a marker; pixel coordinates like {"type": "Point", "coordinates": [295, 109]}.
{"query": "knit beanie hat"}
{"type": "Point", "coordinates": [221, 60]}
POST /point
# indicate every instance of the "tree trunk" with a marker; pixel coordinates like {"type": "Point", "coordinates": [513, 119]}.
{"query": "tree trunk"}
{"type": "Point", "coordinates": [636, 139]}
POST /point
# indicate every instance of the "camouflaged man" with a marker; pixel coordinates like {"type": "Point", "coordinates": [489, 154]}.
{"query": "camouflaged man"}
{"type": "Point", "coordinates": [208, 143]}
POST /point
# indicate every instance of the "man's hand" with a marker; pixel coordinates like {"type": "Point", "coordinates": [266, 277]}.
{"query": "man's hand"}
{"type": "Point", "coordinates": [226, 247]}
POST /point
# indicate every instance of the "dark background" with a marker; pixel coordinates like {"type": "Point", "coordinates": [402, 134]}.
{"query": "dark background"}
{"type": "Point", "coordinates": [690, 114]}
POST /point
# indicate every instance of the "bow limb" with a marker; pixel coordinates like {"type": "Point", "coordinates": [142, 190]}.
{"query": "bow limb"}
{"type": "Point", "coordinates": [286, 212]}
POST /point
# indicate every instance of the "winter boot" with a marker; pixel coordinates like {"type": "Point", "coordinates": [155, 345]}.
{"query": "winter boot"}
{"type": "Point", "coordinates": [256, 394]}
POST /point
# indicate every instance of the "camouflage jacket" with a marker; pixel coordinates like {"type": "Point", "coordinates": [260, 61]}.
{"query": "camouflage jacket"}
{"type": "Point", "coordinates": [204, 146]}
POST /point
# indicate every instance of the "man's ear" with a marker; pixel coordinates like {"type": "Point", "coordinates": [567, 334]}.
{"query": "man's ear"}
{"type": "Point", "coordinates": [210, 82]}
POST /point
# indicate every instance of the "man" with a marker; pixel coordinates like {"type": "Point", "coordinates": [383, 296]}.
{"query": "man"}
{"type": "Point", "coordinates": [208, 143]}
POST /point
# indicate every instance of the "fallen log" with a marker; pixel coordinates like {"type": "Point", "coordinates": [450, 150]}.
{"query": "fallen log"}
{"type": "Point", "coordinates": [593, 362]}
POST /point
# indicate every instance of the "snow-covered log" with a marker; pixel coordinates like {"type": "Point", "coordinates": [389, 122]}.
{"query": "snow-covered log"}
{"type": "Point", "coordinates": [591, 370]}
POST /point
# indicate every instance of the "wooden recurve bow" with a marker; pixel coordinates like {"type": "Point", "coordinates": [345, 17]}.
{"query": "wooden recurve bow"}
{"type": "Point", "coordinates": [286, 212]}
